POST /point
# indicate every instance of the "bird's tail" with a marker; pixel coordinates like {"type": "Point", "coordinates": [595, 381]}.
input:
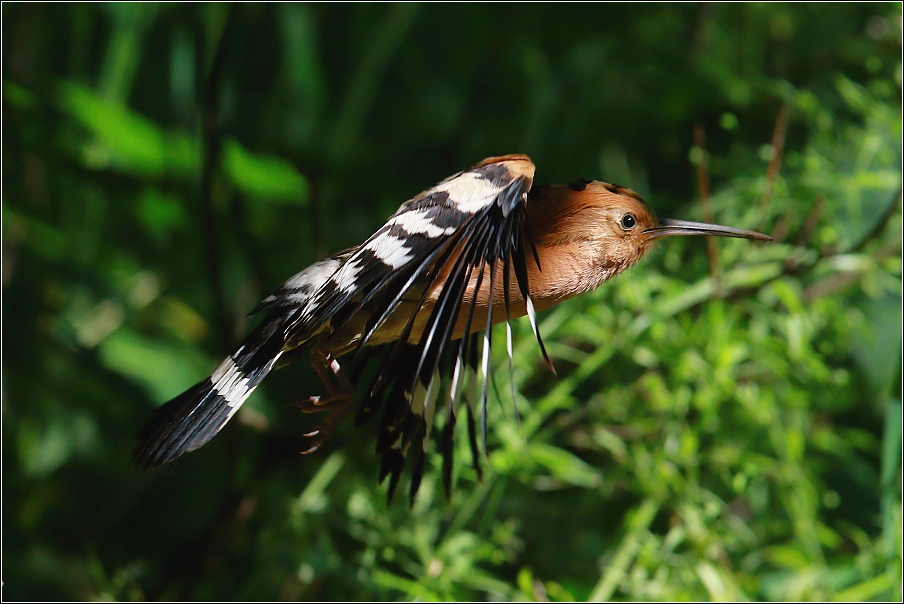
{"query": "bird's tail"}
{"type": "Point", "coordinates": [195, 416]}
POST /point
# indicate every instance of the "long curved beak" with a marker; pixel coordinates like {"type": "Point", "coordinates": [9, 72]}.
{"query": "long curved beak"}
{"type": "Point", "coordinates": [669, 227]}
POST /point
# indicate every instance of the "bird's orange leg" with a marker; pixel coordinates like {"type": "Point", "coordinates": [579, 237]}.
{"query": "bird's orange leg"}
{"type": "Point", "coordinates": [338, 403]}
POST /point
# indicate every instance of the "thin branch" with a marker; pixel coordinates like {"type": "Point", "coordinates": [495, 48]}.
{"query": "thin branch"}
{"type": "Point", "coordinates": [811, 222]}
{"type": "Point", "coordinates": [712, 251]}
{"type": "Point", "coordinates": [841, 280]}
{"type": "Point", "coordinates": [775, 160]}
{"type": "Point", "coordinates": [781, 228]}
{"type": "Point", "coordinates": [807, 231]}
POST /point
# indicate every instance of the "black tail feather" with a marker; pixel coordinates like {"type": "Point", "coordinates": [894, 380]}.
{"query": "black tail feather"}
{"type": "Point", "coordinates": [181, 425]}
{"type": "Point", "coordinates": [195, 416]}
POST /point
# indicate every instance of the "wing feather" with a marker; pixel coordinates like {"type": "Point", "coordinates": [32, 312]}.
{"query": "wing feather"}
{"type": "Point", "coordinates": [414, 279]}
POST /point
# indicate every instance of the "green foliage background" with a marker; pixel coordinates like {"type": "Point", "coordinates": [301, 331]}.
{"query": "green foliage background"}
{"type": "Point", "coordinates": [717, 431]}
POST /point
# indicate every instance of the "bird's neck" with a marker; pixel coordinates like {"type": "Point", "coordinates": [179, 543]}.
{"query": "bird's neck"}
{"type": "Point", "coordinates": [569, 268]}
{"type": "Point", "coordinates": [575, 256]}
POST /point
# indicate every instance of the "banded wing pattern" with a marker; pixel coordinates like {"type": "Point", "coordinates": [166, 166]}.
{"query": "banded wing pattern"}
{"type": "Point", "coordinates": [197, 415]}
{"type": "Point", "coordinates": [426, 266]}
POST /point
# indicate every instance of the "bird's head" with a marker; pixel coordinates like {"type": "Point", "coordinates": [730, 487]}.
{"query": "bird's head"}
{"type": "Point", "coordinates": [609, 223]}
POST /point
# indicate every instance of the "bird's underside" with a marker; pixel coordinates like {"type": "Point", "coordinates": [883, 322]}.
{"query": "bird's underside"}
{"type": "Point", "coordinates": [418, 299]}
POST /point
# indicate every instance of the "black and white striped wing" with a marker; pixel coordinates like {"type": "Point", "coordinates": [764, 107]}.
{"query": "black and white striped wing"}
{"type": "Point", "coordinates": [191, 419]}
{"type": "Point", "coordinates": [470, 228]}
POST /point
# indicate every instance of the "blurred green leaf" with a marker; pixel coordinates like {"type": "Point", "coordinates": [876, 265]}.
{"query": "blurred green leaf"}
{"type": "Point", "coordinates": [264, 177]}
{"type": "Point", "coordinates": [891, 473]}
{"type": "Point", "coordinates": [312, 499]}
{"type": "Point", "coordinates": [125, 140]}
{"type": "Point", "coordinates": [871, 589]}
{"type": "Point", "coordinates": [163, 370]}
{"type": "Point", "coordinates": [565, 466]}
{"type": "Point", "coordinates": [45, 240]}
{"type": "Point", "coordinates": [161, 213]}
{"type": "Point", "coordinates": [43, 450]}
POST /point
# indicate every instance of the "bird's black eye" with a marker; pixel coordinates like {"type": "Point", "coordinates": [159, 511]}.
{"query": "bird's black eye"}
{"type": "Point", "coordinates": [628, 221]}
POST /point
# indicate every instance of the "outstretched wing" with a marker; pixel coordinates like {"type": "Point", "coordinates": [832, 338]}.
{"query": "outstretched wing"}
{"type": "Point", "coordinates": [414, 286]}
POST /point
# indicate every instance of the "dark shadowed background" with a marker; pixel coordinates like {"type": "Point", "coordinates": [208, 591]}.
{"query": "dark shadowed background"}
{"type": "Point", "coordinates": [726, 422]}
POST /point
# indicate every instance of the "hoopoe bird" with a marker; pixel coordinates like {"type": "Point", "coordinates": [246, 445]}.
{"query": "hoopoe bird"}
{"type": "Point", "coordinates": [482, 247]}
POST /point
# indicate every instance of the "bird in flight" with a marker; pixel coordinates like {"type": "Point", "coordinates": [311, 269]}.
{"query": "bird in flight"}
{"type": "Point", "coordinates": [420, 297]}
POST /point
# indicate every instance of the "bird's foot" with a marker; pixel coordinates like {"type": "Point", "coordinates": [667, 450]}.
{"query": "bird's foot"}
{"type": "Point", "coordinates": [337, 409]}
{"type": "Point", "coordinates": [338, 403]}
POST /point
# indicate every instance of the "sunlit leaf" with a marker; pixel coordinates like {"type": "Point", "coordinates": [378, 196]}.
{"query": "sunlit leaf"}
{"type": "Point", "coordinates": [125, 140]}
{"type": "Point", "coordinates": [566, 466]}
{"type": "Point", "coordinates": [266, 177]}
{"type": "Point", "coordinates": [162, 370]}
